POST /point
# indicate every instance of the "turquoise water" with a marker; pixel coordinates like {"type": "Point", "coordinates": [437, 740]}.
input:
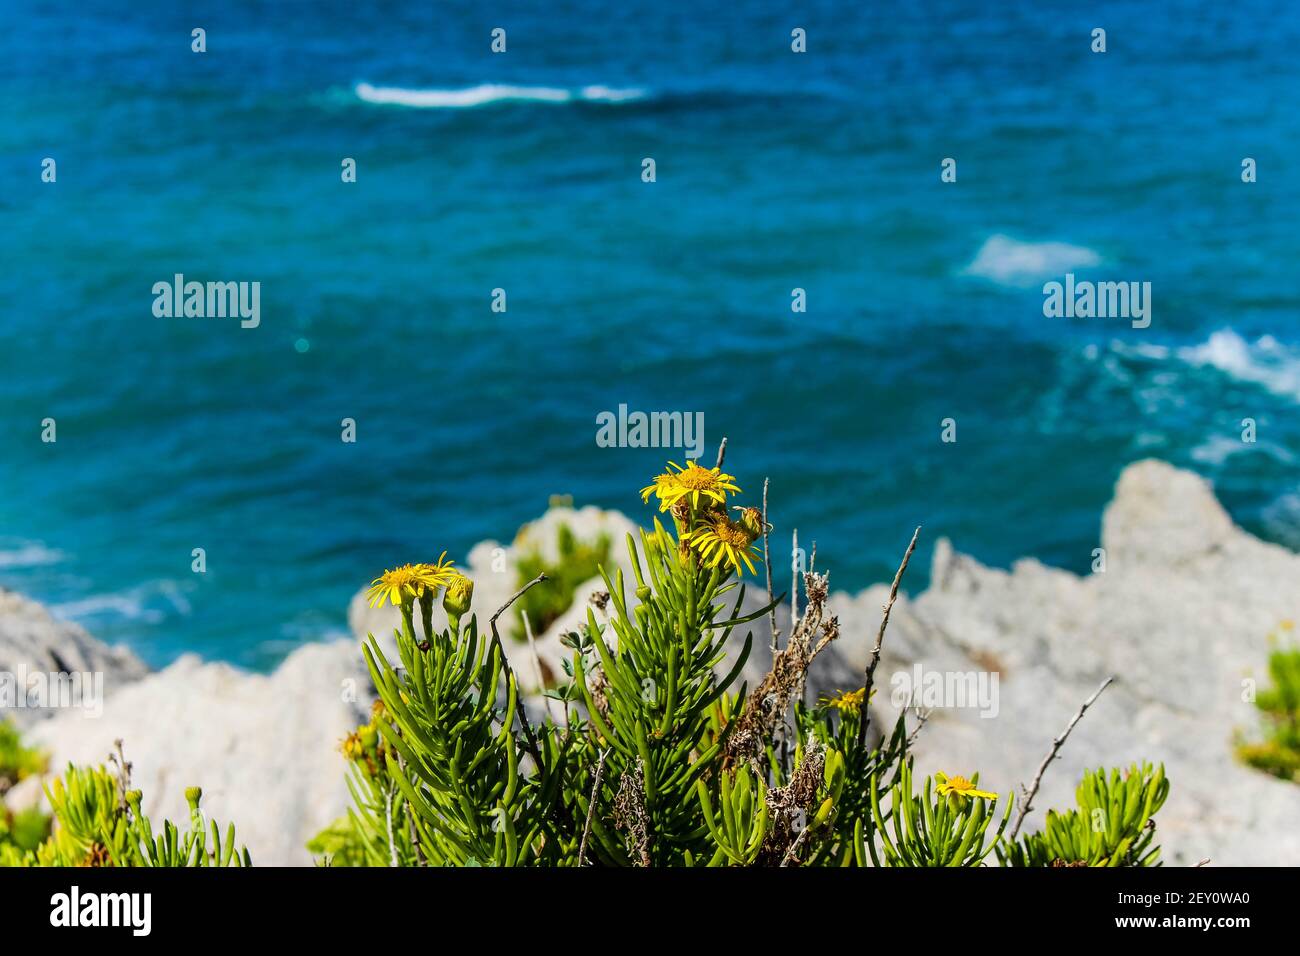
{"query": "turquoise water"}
{"type": "Point", "coordinates": [774, 171]}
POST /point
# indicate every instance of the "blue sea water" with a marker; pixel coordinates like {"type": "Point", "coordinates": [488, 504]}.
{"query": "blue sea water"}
{"type": "Point", "coordinates": [774, 171]}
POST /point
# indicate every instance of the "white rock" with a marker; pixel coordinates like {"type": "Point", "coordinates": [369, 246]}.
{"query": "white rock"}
{"type": "Point", "coordinates": [1180, 616]}
{"type": "Point", "coordinates": [33, 639]}
{"type": "Point", "coordinates": [264, 748]}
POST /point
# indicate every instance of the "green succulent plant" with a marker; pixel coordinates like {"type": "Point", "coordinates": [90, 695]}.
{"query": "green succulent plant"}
{"type": "Point", "coordinates": [17, 761]}
{"type": "Point", "coordinates": [741, 822]}
{"type": "Point", "coordinates": [99, 823]}
{"type": "Point", "coordinates": [1113, 824]}
{"type": "Point", "coordinates": [576, 561]}
{"type": "Point", "coordinates": [658, 755]}
{"type": "Point", "coordinates": [451, 752]}
{"type": "Point", "coordinates": [946, 824]}
{"type": "Point", "coordinates": [1279, 705]}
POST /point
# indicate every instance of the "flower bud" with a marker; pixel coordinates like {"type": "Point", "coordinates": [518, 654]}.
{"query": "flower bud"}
{"type": "Point", "coordinates": [456, 599]}
{"type": "Point", "coordinates": [752, 519]}
{"type": "Point", "coordinates": [824, 812]}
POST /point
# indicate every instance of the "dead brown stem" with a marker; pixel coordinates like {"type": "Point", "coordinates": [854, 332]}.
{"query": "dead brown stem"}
{"type": "Point", "coordinates": [880, 640]}
{"type": "Point", "coordinates": [1028, 802]}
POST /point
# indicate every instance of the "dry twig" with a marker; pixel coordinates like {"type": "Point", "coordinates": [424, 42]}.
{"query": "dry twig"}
{"type": "Point", "coordinates": [1027, 803]}
{"type": "Point", "coordinates": [123, 774]}
{"type": "Point", "coordinates": [591, 806]}
{"type": "Point", "coordinates": [769, 702]}
{"type": "Point", "coordinates": [767, 566]}
{"type": "Point", "coordinates": [533, 749]}
{"type": "Point", "coordinates": [880, 639]}
{"type": "Point", "coordinates": [794, 578]}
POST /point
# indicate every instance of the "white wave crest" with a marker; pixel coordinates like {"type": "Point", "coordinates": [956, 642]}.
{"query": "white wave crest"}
{"type": "Point", "coordinates": [150, 602]}
{"type": "Point", "coordinates": [1265, 362]}
{"type": "Point", "coordinates": [1011, 262]}
{"type": "Point", "coordinates": [607, 94]}
{"type": "Point", "coordinates": [29, 555]}
{"type": "Point", "coordinates": [486, 93]}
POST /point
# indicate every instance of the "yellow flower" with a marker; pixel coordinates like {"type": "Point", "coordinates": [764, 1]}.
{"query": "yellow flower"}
{"type": "Point", "coordinates": [363, 747]}
{"type": "Point", "coordinates": [719, 538]}
{"type": "Point", "coordinates": [961, 787]}
{"type": "Point", "coordinates": [847, 702]}
{"type": "Point", "coordinates": [697, 482]}
{"type": "Point", "coordinates": [352, 747]}
{"type": "Point", "coordinates": [659, 486]}
{"type": "Point", "coordinates": [440, 569]}
{"type": "Point", "coordinates": [410, 580]}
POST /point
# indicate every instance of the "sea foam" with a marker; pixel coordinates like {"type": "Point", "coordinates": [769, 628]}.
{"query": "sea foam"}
{"type": "Point", "coordinates": [150, 602]}
{"type": "Point", "coordinates": [1011, 262]}
{"type": "Point", "coordinates": [29, 554]}
{"type": "Point", "coordinates": [487, 93]}
{"type": "Point", "coordinates": [1266, 362]}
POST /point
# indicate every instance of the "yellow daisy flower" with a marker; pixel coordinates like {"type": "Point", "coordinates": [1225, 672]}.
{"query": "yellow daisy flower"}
{"type": "Point", "coordinates": [847, 702]}
{"type": "Point", "coordinates": [438, 573]}
{"type": "Point", "coordinates": [409, 580]}
{"type": "Point", "coordinates": [961, 787]}
{"type": "Point", "coordinates": [718, 538]}
{"type": "Point", "coordinates": [678, 482]}
{"type": "Point", "coordinates": [658, 486]}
